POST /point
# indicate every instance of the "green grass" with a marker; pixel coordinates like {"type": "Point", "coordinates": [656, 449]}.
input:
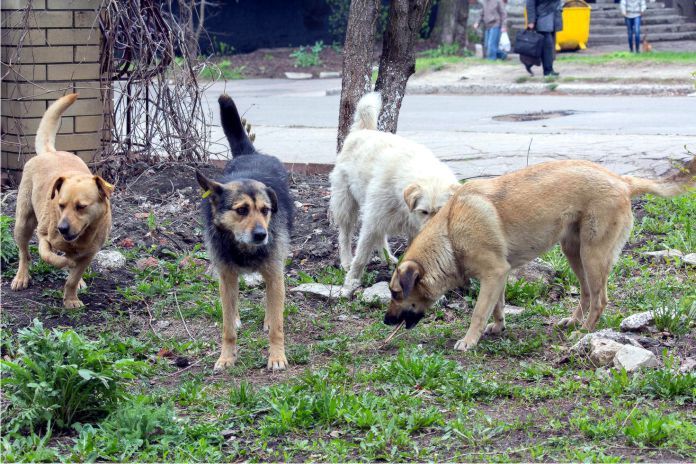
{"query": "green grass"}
{"type": "Point", "coordinates": [627, 57]}
{"type": "Point", "coordinates": [223, 70]}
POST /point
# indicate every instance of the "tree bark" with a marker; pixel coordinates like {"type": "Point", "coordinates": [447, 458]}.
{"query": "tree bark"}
{"type": "Point", "coordinates": [357, 61]}
{"type": "Point", "coordinates": [461, 28]}
{"type": "Point", "coordinates": [398, 59]}
{"type": "Point", "coordinates": [446, 21]}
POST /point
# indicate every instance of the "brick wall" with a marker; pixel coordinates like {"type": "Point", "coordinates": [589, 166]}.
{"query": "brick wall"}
{"type": "Point", "coordinates": [59, 54]}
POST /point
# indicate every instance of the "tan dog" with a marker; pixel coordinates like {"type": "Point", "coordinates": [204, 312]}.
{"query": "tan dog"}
{"type": "Point", "coordinates": [69, 205]}
{"type": "Point", "coordinates": [492, 226]}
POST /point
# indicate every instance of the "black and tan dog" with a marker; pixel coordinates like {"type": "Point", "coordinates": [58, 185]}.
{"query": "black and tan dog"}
{"type": "Point", "coordinates": [67, 205]}
{"type": "Point", "coordinates": [491, 226]}
{"type": "Point", "coordinates": [248, 217]}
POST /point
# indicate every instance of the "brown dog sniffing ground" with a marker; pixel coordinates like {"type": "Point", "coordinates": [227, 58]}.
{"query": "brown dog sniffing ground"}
{"type": "Point", "coordinates": [65, 203]}
{"type": "Point", "coordinates": [491, 226]}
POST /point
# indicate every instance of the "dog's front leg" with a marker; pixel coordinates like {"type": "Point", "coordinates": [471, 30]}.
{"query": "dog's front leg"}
{"type": "Point", "coordinates": [72, 284]}
{"type": "Point", "coordinates": [48, 255]}
{"type": "Point", "coordinates": [229, 294]}
{"type": "Point", "coordinates": [275, 304]}
{"type": "Point", "coordinates": [491, 288]}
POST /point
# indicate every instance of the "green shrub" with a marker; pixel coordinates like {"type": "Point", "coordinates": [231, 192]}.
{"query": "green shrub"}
{"type": "Point", "coordinates": [652, 428]}
{"type": "Point", "coordinates": [306, 57]}
{"type": "Point", "coordinates": [58, 378]}
{"type": "Point", "coordinates": [8, 249]}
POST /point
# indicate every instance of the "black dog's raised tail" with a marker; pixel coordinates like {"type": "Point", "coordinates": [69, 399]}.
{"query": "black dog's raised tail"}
{"type": "Point", "coordinates": [234, 130]}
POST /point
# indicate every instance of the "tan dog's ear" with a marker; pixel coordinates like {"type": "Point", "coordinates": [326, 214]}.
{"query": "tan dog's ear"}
{"type": "Point", "coordinates": [453, 188]}
{"type": "Point", "coordinates": [56, 186]}
{"type": "Point", "coordinates": [409, 274]}
{"type": "Point", "coordinates": [210, 187]}
{"type": "Point", "coordinates": [412, 194]}
{"type": "Point", "coordinates": [105, 188]}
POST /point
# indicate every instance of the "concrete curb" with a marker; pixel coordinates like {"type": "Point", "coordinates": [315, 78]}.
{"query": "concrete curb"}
{"type": "Point", "coordinates": [546, 88]}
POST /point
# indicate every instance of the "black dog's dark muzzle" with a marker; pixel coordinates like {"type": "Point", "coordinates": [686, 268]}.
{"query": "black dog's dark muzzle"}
{"type": "Point", "coordinates": [410, 317]}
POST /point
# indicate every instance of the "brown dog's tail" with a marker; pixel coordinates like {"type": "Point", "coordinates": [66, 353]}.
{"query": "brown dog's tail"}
{"type": "Point", "coordinates": [50, 122]}
{"type": "Point", "coordinates": [668, 187]}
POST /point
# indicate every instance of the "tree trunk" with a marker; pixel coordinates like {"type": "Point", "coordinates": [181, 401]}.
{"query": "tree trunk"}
{"type": "Point", "coordinates": [357, 61]}
{"type": "Point", "coordinates": [461, 28]}
{"type": "Point", "coordinates": [398, 59]}
{"type": "Point", "coordinates": [446, 21]}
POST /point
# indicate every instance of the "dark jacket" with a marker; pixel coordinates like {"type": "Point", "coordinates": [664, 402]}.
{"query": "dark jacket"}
{"type": "Point", "coordinates": [546, 14]}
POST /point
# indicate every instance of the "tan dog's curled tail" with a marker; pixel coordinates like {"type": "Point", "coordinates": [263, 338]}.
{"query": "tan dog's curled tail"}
{"type": "Point", "coordinates": [367, 112]}
{"type": "Point", "coordinates": [669, 187]}
{"type": "Point", "coordinates": [50, 122]}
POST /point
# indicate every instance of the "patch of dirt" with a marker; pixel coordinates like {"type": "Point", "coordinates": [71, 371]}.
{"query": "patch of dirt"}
{"type": "Point", "coordinates": [275, 62]}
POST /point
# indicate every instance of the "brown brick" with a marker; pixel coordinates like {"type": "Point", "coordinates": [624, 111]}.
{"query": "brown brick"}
{"type": "Point", "coordinates": [76, 142]}
{"type": "Point", "coordinates": [37, 19]}
{"type": "Point", "coordinates": [88, 123]}
{"type": "Point", "coordinates": [88, 53]}
{"type": "Point", "coordinates": [13, 143]}
{"type": "Point", "coordinates": [73, 36]}
{"type": "Point", "coordinates": [11, 160]}
{"type": "Point", "coordinates": [51, 90]}
{"type": "Point", "coordinates": [88, 156]}
{"type": "Point", "coordinates": [25, 108]}
{"type": "Point", "coordinates": [19, 4]}
{"type": "Point", "coordinates": [82, 71]}
{"type": "Point", "coordinates": [41, 54]}
{"type": "Point", "coordinates": [74, 4]}
{"type": "Point", "coordinates": [85, 19]}
{"type": "Point", "coordinates": [11, 125]}
{"type": "Point", "coordinates": [32, 37]}
{"type": "Point", "coordinates": [26, 72]}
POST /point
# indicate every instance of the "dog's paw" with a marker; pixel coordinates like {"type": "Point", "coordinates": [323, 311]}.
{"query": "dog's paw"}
{"type": "Point", "coordinates": [20, 282]}
{"type": "Point", "coordinates": [567, 323]}
{"type": "Point", "coordinates": [81, 285]}
{"type": "Point", "coordinates": [73, 303]}
{"type": "Point", "coordinates": [224, 362]}
{"type": "Point", "coordinates": [464, 344]}
{"type": "Point", "coordinates": [494, 328]}
{"type": "Point", "coordinates": [277, 361]}
{"type": "Point", "coordinates": [349, 288]}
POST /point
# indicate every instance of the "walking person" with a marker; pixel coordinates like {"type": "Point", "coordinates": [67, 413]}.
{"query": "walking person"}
{"type": "Point", "coordinates": [494, 19]}
{"type": "Point", "coordinates": [632, 10]}
{"type": "Point", "coordinates": [545, 17]}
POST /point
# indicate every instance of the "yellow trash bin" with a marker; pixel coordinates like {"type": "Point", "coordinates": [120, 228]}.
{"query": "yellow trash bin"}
{"type": "Point", "coordinates": [576, 26]}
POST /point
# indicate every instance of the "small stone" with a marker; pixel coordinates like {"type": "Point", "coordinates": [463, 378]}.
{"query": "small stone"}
{"type": "Point", "coordinates": [534, 271]}
{"type": "Point", "coordinates": [253, 280]}
{"type": "Point", "coordinates": [342, 317]}
{"type": "Point", "coordinates": [583, 345]}
{"type": "Point", "coordinates": [378, 292]}
{"type": "Point", "coordinates": [322, 290]}
{"type": "Point", "coordinates": [298, 204]}
{"type": "Point", "coordinates": [603, 351]}
{"type": "Point", "coordinates": [109, 260]}
{"type": "Point", "coordinates": [688, 365]}
{"type": "Point", "coordinates": [145, 263]}
{"type": "Point", "coordinates": [633, 358]}
{"type": "Point", "coordinates": [329, 74]}
{"type": "Point", "coordinates": [298, 75]}
{"type": "Point", "coordinates": [511, 310]}
{"type": "Point", "coordinates": [162, 324]}
{"type": "Point", "coordinates": [690, 259]}
{"type": "Point", "coordinates": [227, 433]}
{"type": "Point", "coordinates": [637, 322]}
{"type": "Point", "coordinates": [663, 255]}
{"type": "Point", "coordinates": [334, 434]}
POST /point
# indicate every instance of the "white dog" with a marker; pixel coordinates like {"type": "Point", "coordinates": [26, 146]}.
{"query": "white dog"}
{"type": "Point", "coordinates": [394, 184]}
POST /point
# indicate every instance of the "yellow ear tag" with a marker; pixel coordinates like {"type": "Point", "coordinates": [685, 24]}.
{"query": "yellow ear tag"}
{"type": "Point", "coordinates": [206, 194]}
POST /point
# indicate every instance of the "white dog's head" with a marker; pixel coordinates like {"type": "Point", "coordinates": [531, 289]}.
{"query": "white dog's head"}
{"type": "Point", "coordinates": [425, 198]}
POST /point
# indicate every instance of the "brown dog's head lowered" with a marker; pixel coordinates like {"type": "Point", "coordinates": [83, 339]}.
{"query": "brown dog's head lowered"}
{"type": "Point", "coordinates": [241, 207]}
{"type": "Point", "coordinates": [81, 200]}
{"type": "Point", "coordinates": [410, 297]}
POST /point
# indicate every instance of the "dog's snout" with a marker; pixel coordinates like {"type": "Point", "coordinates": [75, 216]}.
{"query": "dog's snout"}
{"type": "Point", "coordinates": [390, 319]}
{"type": "Point", "coordinates": [259, 234]}
{"type": "Point", "coordinates": [63, 227]}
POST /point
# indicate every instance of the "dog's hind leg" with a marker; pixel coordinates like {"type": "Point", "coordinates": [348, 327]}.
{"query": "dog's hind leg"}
{"type": "Point", "coordinates": [570, 244]}
{"type": "Point", "coordinates": [391, 259]}
{"type": "Point", "coordinates": [344, 212]}
{"type": "Point", "coordinates": [275, 304]}
{"type": "Point", "coordinates": [498, 324]}
{"type": "Point", "coordinates": [370, 239]}
{"type": "Point", "coordinates": [229, 294]}
{"type": "Point", "coordinates": [25, 224]}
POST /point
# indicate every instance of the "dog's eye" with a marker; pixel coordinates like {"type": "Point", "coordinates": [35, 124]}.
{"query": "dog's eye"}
{"type": "Point", "coordinates": [424, 212]}
{"type": "Point", "coordinates": [242, 210]}
{"type": "Point", "coordinates": [61, 206]}
{"type": "Point", "coordinates": [265, 210]}
{"type": "Point", "coordinates": [80, 207]}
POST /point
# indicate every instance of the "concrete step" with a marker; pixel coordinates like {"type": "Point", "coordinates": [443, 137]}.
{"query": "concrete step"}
{"type": "Point", "coordinates": [647, 29]}
{"type": "Point", "coordinates": [615, 6]}
{"type": "Point", "coordinates": [608, 39]}
{"type": "Point", "coordinates": [668, 19]}
{"type": "Point", "coordinates": [616, 13]}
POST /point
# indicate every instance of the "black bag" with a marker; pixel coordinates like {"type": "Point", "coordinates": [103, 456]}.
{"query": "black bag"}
{"type": "Point", "coordinates": [529, 43]}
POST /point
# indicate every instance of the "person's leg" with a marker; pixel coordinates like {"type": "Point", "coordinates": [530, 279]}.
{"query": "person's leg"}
{"type": "Point", "coordinates": [636, 32]}
{"type": "Point", "coordinates": [492, 41]}
{"type": "Point", "coordinates": [629, 30]}
{"type": "Point", "coordinates": [547, 52]}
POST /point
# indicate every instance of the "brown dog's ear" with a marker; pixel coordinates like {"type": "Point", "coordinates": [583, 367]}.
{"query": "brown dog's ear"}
{"type": "Point", "coordinates": [274, 199]}
{"type": "Point", "coordinates": [409, 273]}
{"type": "Point", "coordinates": [105, 188]}
{"type": "Point", "coordinates": [56, 186]}
{"type": "Point", "coordinates": [412, 194]}
{"type": "Point", "coordinates": [210, 187]}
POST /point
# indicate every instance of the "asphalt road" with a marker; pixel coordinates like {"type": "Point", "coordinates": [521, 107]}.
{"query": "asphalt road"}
{"type": "Point", "coordinates": [296, 121]}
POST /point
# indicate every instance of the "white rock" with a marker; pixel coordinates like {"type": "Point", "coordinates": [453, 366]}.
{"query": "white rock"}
{"type": "Point", "coordinates": [603, 350]}
{"type": "Point", "coordinates": [109, 260]}
{"type": "Point", "coordinates": [633, 358]}
{"type": "Point", "coordinates": [378, 292]}
{"type": "Point", "coordinates": [637, 322]}
{"type": "Point", "coordinates": [663, 255]}
{"type": "Point", "coordinates": [329, 74]}
{"type": "Point", "coordinates": [690, 259]}
{"type": "Point", "coordinates": [688, 365]}
{"type": "Point", "coordinates": [162, 324]}
{"type": "Point", "coordinates": [253, 280]}
{"type": "Point", "coordinates": [342, 317]}
{"type": "Point", "coordinates": [583, 345]}
{"type": "Point", "coordinates": [321, 290]}
{"type": "Point", "coordinates": [298, 204]}
{"type": "Point", "coordinates": [534, 271]}
{"type": "Point", "coordinates": [512, 310]}
{"type": "Point", "coordinates": [298, 75]}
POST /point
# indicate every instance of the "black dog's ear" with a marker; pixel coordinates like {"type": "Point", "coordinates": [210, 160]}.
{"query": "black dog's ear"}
{"type": "Point", "coordinates": [210, 187]}
{"type": "Point", "coordinates": [274, 199]}
{"type": "Point", "coordinates": [56, 186]}
{"type": "Point", "coordinates": [409, 273]}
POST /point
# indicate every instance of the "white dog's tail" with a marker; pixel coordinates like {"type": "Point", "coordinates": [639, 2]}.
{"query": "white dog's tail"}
{"type": "Point", "coordinates": [50, 122]}
{"type": "Point", "coordinates": [367, 111]}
